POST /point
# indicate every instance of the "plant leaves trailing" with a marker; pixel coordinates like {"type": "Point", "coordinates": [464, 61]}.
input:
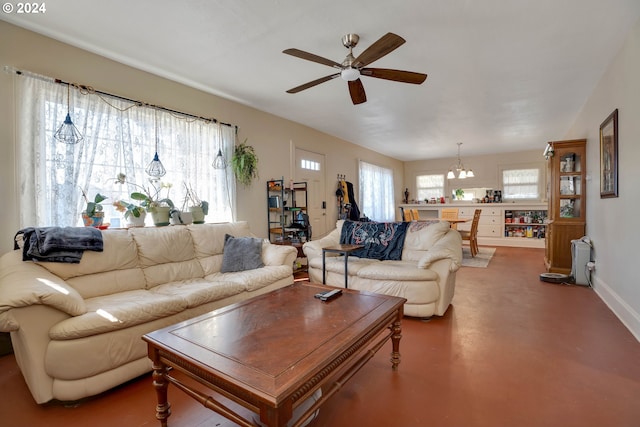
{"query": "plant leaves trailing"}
{"type": "Point", "coordinates": [244, 163]}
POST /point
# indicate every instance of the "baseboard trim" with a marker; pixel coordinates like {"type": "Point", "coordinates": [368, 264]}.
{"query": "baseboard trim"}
{"type": "Point", "coordinates": [627, 315]}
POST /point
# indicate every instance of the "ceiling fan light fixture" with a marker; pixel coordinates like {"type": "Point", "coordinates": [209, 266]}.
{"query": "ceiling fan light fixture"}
{"type": "Point", "coordinates": [350, 74]}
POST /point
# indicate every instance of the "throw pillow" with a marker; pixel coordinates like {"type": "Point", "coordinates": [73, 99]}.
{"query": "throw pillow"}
{"type": "Point", "coordinates": [241, 253]}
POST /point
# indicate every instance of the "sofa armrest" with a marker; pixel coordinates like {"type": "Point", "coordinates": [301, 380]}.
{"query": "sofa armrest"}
{"type": "Point", "coordinates": [313, 248]}
{"type": "Point", "coordinates": [278, 254]}
{"type": "Point", "coordinates": [448, 247]}
{"type": "Point", "coordinates": [25, 283]}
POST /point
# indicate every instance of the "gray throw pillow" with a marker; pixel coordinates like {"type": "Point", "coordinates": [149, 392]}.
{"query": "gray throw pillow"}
{"type": "Point", "coordinates": [241, 253]}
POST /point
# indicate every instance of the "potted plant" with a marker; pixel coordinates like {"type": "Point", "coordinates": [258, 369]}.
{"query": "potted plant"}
{"type": "Point", "coordinates": [150, 198]}
{"type": "Point", "coordinates": [244, 163]}
{"type": "Point", "coordinates": [197, 207]}
{"type": "Point", "coordinates": [92, 216]}
{"type": "Point", "coordinates": [134, 214]}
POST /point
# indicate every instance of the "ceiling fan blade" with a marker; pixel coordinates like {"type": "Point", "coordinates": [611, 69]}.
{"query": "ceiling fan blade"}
{"type": "Point", "coordinates": [311, 57]}
{"type": "Point", "coordinates": [313, 83]}
{"type": "Point", "coordinates": [356, 90]}
{"type": "Point", "coordinates": [395, 75]}
{"type": "Point", "coordinates": [385, 44]}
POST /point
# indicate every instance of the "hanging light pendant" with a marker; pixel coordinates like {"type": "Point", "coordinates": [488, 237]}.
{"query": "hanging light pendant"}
{"type": "Point", "coordinates": [68, 132]}
{"type": "Point", "coordinates": [459, 167]}
{"type": "Point", "coordinates": [155, 168]}
{"type": "Point", "coordinates": [219, 162]}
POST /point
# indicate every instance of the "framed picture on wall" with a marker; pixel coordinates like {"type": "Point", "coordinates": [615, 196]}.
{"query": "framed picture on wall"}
{"type": "Point", "coordinates": [609, 156]}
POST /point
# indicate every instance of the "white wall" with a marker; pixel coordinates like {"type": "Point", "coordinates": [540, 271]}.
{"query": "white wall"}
{"type": "Point", "coordinates": [612, 224]}
{"type": "Point", "coordinates": [485, 168]}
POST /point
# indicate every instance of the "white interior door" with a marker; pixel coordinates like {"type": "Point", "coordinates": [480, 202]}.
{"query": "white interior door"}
{"type": "Point", "coordinates": [309, 167]}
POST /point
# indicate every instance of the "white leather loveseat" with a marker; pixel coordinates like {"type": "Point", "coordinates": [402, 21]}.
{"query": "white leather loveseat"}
{"type": "Point", "coordinates": [76, 328]}
{"type": "Point", "coordinates": [425, 275]}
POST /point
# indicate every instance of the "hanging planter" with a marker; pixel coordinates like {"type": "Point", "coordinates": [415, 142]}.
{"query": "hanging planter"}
{"type": "Point", "coordinates": [245, 164]}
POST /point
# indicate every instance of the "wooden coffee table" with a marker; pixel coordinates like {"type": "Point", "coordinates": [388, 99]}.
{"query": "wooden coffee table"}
{"type": "Point", "coordinates": [273, 352]}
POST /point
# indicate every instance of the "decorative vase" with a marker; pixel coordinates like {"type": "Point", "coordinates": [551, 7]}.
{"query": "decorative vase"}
{"type": "Point", "coordinates": [180, 218]}
{"type": "Point", "coordinates": [160, 215]}
{"type": "Point", "coordinates": [198, 214]}
{"type": "Point", "coordinates": [92, 221]}
{"type": "Point", "coordinates": [133, 221]}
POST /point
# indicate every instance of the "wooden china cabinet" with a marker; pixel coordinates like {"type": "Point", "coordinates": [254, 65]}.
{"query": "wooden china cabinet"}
{"type": "Point", "coordinates": [566, 192]}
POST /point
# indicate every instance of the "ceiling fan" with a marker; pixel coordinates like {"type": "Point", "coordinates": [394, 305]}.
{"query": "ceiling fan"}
{"type": "Point", "coordinates": [352, 68]}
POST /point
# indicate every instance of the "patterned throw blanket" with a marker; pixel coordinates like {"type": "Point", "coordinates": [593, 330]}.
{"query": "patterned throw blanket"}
{"type": "Point", "coordinates": [381, 240]}
{"type": "Point", "coordinates": [58, 244]}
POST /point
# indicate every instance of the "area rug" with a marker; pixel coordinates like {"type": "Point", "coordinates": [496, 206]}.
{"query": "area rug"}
{"type": "Point", "coordinates": [481, 259]}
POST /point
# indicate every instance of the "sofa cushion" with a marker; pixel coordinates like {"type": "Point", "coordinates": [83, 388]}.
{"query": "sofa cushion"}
{"type": "Point", "coordinates": [208, 239]}
{"type": "Point", "coordinates": [119, 252]}
{"type": "Point", "coordinates": [161, 245]}
{"type": "Point", "coordinates": [108, 282]}
{"type": "Point", "coordinates": [415, 292]}
{"type": "Point", "coordinates": [172, 272]}
{"type": "Point", "coordinates": [241, 253]}
{"type": "Point", "coordinates": [335, 264]}
{"type": "Point", "coordinates": [254, 279]}
{"type": "Point", "coordinates": [117, 311]}
{"type": "Point", "coordinates": [421, 236]}
{"type": "Point", "coordinates": [396, 270]}
{"type": "Point", "coordinates": [199, 291]}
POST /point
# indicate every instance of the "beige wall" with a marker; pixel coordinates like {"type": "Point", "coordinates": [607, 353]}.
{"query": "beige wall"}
{"type": "Point", "coordinates": [271, 136]}
{"type": "Point", "coordinates": [485, 168]}
{"type": "Point", "coordinates": [612, 224]}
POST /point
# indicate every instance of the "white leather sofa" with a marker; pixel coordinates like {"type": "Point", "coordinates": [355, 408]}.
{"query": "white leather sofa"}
{"type": "Point", "coordinates": [425, 275]}
{"type": "Point", "coordinates": [76, 328]}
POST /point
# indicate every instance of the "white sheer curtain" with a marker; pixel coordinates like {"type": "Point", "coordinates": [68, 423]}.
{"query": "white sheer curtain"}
{"type": "Point", "coordinates": [376, 192]}
{"type": "Point", "coordinates": [521, 183]}
{"type": "Point", "coordinates": [119, 137]}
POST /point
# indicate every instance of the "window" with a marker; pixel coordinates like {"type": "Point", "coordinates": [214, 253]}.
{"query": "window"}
{"type": "Point", "coordinates": [430, 186]}
{"type": "Point", "coordinates": [119, 137]}
{"type": "Point", "coordinates": [310, 165]}
{"type": "Point", "coordinates": [522, 183]}
{"type": "Point", "coordinates": [376, 192]}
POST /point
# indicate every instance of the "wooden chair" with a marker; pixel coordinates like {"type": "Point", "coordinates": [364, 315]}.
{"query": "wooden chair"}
{"type": "Point", "coordinates": [407, 215]}
{"type": "Point", "coordinates": [450, 213]}
{"type": "Point", "coordinates": [415, 215]}
{"type": "Point", "coordinates": [472, 235]}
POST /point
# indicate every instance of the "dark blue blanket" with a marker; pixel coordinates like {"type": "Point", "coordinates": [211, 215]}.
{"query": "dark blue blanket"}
{"type": "Point", "coordinates": [381, 240]}
{"type": "Point", "coordinates": [58, 244]}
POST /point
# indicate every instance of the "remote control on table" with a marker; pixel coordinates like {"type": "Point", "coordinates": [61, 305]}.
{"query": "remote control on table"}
{"type": "Point", "coordinates": [326, 296]}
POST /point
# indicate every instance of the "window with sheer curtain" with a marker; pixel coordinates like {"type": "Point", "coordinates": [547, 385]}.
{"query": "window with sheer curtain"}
{"type": "Point", "coordinates": [119, 137]}
{"type": "Point", "coordinates": [376, 192]}
{"type": "Point", "coordinates": [430, 186]}
{"type": "Point", "coordinates": [521, 183]}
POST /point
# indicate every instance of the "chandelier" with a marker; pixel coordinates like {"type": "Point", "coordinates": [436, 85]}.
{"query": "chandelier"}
{"type": "Point", "coordinates": [459, 168]}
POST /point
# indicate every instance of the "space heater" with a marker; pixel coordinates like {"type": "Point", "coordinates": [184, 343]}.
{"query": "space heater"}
{"type": "Point", "coordinates": [580, 256]}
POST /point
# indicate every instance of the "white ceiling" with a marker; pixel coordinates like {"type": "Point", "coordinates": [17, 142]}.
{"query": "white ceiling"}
{"type": "Point", "coordinates": [504, 75]}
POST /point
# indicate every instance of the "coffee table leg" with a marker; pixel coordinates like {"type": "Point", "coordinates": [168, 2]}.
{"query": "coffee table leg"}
{"type": "Point", "coordinates": [160, 383]}
{"type": "Point", "coordinates": [396, 328]}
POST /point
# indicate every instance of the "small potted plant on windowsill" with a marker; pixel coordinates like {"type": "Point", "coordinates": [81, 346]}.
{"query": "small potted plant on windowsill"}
{"type": "Point", "coordinates": [197, 207]}
{"type": "Point", "coordinates": [151, 200]}
{"type": "Point", "coordinates": [134, 214]}
{"type": "Point", "coordinates": [92, 216]}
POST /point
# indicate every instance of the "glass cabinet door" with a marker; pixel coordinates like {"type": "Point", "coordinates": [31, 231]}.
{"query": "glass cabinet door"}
{"type": "Point", "coordinates": [570, 191]}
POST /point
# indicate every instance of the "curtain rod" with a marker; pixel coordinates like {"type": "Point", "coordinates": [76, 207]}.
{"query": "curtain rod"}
{"type": "Point", "coordinates": [89, 89]}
